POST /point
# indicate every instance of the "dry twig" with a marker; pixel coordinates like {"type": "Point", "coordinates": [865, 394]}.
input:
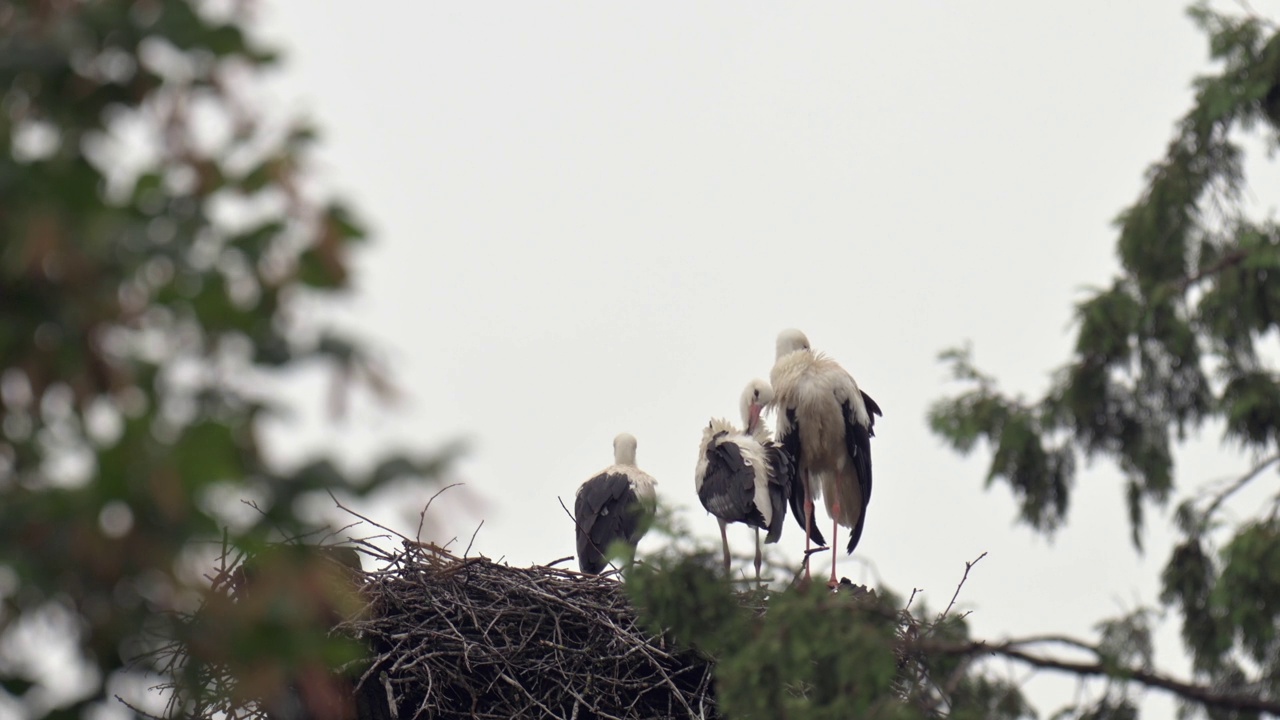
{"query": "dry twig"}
{"type": "Point", "coordinates": [455, 637]}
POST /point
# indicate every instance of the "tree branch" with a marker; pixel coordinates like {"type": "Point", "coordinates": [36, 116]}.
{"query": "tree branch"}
{"type": "Point", "coordinates": [1244, 480]}
{"type": "Point", "coordinates": [1011, 649]}
{"type": "Point", "coordinates": [1227, 261]}
{"type": "Point", "coordinates": [1061, 640]}
{"type": "Point", "coordinates": [968, 565]}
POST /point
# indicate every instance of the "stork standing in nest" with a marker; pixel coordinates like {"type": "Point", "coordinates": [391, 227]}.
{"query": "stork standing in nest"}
{"type": "Point", "coordinates": [742, 476]}
{"type": "Point", "coordinates": [826, 423]}
{"type": "Point", "coordinates": [615, 504]}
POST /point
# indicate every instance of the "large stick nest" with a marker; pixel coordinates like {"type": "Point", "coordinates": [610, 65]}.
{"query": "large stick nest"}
{"type": "Point", "coordinates": [469, 638]}
{"type": "Point", "coordinates": [445, 637]}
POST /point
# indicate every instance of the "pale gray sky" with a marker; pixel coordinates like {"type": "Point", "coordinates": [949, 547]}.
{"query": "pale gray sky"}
{"type": "Point", "coordinates": [595, 217]}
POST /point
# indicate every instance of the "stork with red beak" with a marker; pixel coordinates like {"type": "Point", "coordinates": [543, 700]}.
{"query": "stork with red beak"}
{"type": "Point", "coordinates": [826, 423]}
{"type": "Point", "coordinates": [742, 476]}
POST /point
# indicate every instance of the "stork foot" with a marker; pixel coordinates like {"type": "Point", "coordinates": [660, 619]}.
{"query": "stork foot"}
{"type": "Point", "coordinates": [802, 583]}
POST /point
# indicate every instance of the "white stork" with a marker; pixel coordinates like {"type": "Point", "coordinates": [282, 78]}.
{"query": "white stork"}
{"type": "Point", "coordinates": [826, 423]}
{"type": "Point", "coordinates": [616, 504]}
{"type": "Point", "coordinates": [742, 475]}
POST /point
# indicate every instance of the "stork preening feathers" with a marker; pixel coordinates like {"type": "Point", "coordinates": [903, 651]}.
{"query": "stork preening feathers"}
{"type": "Point", "coordinates": [822, 448]}
{"type": "Point", "coordinates": [825, 422]}
{"type": "Point", "coordinates": [742, 476]}
{"type": "Point", "coordinates": [616, 504]}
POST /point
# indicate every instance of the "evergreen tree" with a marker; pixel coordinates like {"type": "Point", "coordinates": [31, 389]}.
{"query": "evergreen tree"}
{"type": "Point", "coordinates": [157, 237]}
{"type": "Point", "coordinates": [1176, 341]}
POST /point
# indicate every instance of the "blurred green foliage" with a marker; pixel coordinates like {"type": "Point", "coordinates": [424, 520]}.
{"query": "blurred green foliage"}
{"type": "Point", "coordinates": [158, 247]}
{"type": "Point", "coordinates": [1178, 340]}
{"type": "Point", "coordinates": [805, 652]}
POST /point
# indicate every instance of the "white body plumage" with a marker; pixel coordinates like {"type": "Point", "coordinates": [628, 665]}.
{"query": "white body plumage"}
{"type": "Point", "coordinates": [825, 421]}
{"type": "Point", "coordinates": [741, 475]}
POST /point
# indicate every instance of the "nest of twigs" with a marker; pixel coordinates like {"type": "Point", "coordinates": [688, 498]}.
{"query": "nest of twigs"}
{"type": "Point", "coordinates": [444, 637]}
{"type": "Point", "coordinates": [468, 638]}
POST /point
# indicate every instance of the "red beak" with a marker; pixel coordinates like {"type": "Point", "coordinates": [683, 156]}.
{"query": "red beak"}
{"type": "Point", "coordinates": [753, 416]}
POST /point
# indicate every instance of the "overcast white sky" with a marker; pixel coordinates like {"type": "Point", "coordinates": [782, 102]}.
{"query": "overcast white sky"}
{"type": "Point", "coordinates": [595, 217]}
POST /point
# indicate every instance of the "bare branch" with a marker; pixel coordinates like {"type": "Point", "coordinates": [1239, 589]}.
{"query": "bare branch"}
{"type": "Point", "coordinates": [353, 513]}
{"type": "Point", "coordinates": [1247, 478]}
{"type": "Point", "coordinates": [1059, 639]}
{"type": "Point", "coordinates": [967, 567]}
{"type": "Point", "coordinates": [473, 539]}
{"type": "Point", "coordinates": [1228, 261]}
{"type": "Point", "coordinates": [422, 516]}
{"type": "Point", "coordinates": [1011, 649]}
{"type": "Point", "coordinates": [1254, 16]}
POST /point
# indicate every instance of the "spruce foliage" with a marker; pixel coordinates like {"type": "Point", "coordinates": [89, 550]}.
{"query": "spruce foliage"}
{"type": "Point", "coordinates": [1177, 342]}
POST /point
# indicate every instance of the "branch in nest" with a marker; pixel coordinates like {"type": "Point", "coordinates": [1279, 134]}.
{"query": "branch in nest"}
{"type": "Point", "coordinates": [967, 567]}
{"type": "Point", "coordinates": [462, 637]}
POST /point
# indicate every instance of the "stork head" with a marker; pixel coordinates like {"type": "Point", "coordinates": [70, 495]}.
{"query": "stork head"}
{"type": "Point", "coordinates": [624, 449]}
{"type": "Point", "coordinates": [755, 398]}
{"type": "Point", "coordinates": [791, 340]}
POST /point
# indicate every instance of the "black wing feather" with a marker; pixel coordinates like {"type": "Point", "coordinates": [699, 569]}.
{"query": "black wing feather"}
{"type": "Point", "coordinates": [606, 510]}
{"type": "Point", "coordinates": [782, 477]}
{"type": "Point", "coordinates": [729, 488]}
{"type": "Point", "coordinates": [857, 439]}
{"type": "Point", "coordinates": [791, 445]}
{"type": "Point", "coordinates": [873, 410]}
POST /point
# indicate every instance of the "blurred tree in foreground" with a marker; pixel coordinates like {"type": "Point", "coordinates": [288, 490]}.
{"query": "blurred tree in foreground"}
{"type": "Point", "coordinates": [807, 653]}
{"type": "Point", "coordinates": [158, 243]}
{"type": "Point", "coordinates": [156, 240]}
{"type": "Point", "coordinates": [1183, 337]}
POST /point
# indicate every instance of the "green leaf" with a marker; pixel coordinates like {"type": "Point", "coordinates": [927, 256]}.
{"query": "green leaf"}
{"type": "Point", "coordinates": [342, 220]}
{"type": "Point", "coordinates": [1251, 401]}
{"type": "Point", "coordinates": [225, 40]}
{"type": "Point", "coordinates": [209, 452]}
{"type": "Point", "coordinates": [315, 271]}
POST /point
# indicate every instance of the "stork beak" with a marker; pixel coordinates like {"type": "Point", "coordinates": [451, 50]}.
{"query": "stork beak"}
{"type": "Point", "coordinates": [753, 415]}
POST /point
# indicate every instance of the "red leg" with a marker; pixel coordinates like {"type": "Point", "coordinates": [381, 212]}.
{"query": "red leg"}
{"type": "Point", "coordinates": [835, 534]}
{"type": "Point", "coordinates": [724, 540]}
{"type": "Point", "coordinates": [808, 523]}
{"type": "Point", "coordinates": [758, 556]}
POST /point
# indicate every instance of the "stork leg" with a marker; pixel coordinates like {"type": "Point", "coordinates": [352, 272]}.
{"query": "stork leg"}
{"type": "Point", "coordinates": [808, 523]}
{"type": "Point", "coordinates": [758, 556]}
{"type": "Point", "coordinates": [835, 534]}
{"type": "Point", "coordinates": [724, 540]}
{"type": "Point", "coordinates": [835, 545]}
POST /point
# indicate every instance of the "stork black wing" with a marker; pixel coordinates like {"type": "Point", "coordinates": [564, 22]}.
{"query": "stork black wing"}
{"type": "Point", "coordinates": [791, 445]}
{"type": "Point", "coordinates": [606, 510]}
{"type": "Point", "coordinates": [782, 478]}
{"type": "Point", "coordinates": [729, 489]}
{"type": "Point", "coordinates": [858, 443]}
{"type": "Point", "coordinates": [873, 410]}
